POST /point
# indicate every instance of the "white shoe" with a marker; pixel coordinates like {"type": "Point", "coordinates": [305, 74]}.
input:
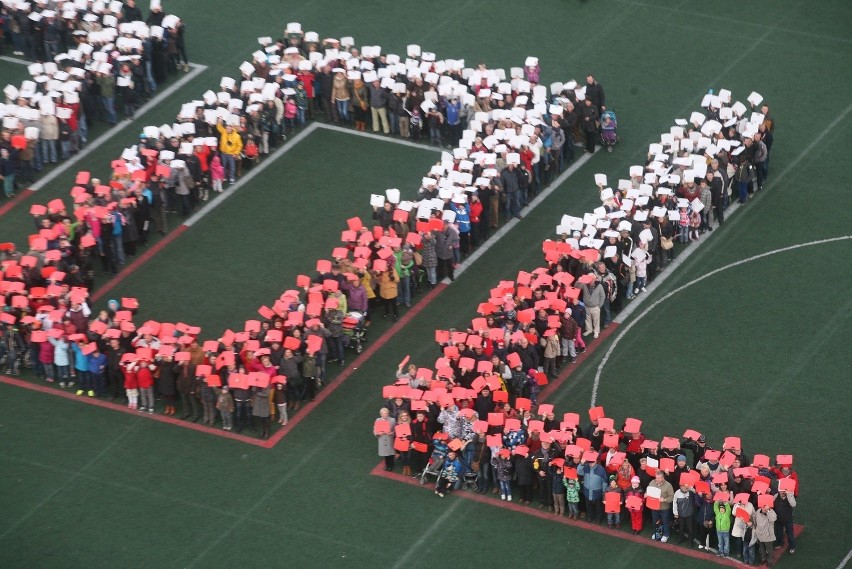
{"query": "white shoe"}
{"type": "Point", "coordinates": [509, 498]}
{"type": "Point", "coordinates": [654, 536]}
{"type": "Point", "coordinates": [664, 539]}
{"type": "Point", "coordinates": [62, 384]}
{"type": "Point", "coordinates": [502, 496]}
{"type": "Point", "coordinates": [644, 289]}
{"type": "Point", "coordinates": [596, 335]}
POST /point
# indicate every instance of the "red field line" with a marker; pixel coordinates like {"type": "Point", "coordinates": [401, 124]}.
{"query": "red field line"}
{"type": "Point", "coordinates": [116, 407]}
{"type": "Point", "coordinates": [24, 194]}
{"type": "Point", "coordinates": [379, 471]}
{"type": "Point", "coordinates": [350, 369]}
{"type": "Point", "coordinates": [280, 433]}
{"type": "Point", "coordinates": [141, 260]}
{"type": "Point", "coordinates": [591, 346]}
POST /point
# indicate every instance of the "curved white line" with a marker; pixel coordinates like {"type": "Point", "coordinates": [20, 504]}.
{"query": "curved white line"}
{"type": "Point", "coordinates": [668, 295]}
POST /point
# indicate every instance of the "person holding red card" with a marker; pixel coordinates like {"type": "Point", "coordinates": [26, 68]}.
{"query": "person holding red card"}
{"type": "Point", "coordinates": [764, 527]}
{"type": "Point", "coordinates": [388, 282]}
{"type": "Point", "coordinates": [383, 430]}
{"type": "Point", "coordinates": [260, 409]}
{"type": "Point", "coordinates": [633, 498]}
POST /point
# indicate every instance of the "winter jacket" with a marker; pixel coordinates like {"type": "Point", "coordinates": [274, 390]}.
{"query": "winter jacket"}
{"type": "Point", "coordinates": [764, 525]}
{"type": "Point", "coordinates": [388, 284]}
{"type": "Point", "coordinates": [572, 490]}
{"type": "Point", "coordinates": [60, 351]}
{"type": "Point", "coordinates": [784, 507]}
{"type": "Point", "coordinates": [723, 518]}
{"type": "Point", "coordinates": [684, 503]}
{"type": "Point", "coordinates": [594, 481]}
{"type": "Point", "coordinates": [229, 142]}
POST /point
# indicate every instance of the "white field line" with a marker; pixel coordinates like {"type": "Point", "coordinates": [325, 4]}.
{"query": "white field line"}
{"type": "Point", "coordinates": [121, 127]}
{"type": "Point", "coordinates": [509, 225]}
{"type": "Point", "coordinates": [626, 329]}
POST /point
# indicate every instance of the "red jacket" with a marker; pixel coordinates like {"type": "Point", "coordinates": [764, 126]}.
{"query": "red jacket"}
{"type": "Point", "coordinates": [146, 378]}
{"type": "Point", "coordinates": [475, 211]}
{"type": "Point", "coordinates": [131, 379]}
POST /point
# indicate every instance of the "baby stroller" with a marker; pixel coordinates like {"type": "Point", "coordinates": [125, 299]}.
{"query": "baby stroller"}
{"type": "Point", "coordinates": [355, 331]}
{"type": "Point", "coordinates": [609, 130]}
{"type": "Point", "coordinates": [435, 465]}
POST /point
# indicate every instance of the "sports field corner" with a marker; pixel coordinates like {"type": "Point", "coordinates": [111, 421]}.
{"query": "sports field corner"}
{"type": "Point", "coordinates": [745, 335]}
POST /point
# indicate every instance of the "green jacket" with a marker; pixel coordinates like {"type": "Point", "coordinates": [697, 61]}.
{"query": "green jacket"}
{"type": "Point", "coordinates": [723, 519]}
{"type": "Point", "coordinates": [572, 491]}
{"type": "Point", "coordinates": [403, 267]}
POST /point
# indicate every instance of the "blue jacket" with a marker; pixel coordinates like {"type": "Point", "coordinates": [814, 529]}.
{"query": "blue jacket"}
{"type": "Point", "coordinates": [81, 362]}
{"type": "Point", "coordinates": [594, 481]}
{"type": "Point", "coordinates": [97, 363]}
{"type": "Point", "coordinates": [462, 217]}
{"type": "Point", "coordinates": [453, 110]}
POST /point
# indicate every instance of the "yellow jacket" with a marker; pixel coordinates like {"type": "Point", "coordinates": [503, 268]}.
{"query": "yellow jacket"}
{"type": "Point", "coordinates": [229, 142]}
{"type": "Point", "coordinates": [388, 283]}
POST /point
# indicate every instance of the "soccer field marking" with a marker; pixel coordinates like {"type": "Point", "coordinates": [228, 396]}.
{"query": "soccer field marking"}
{"type": "Point", "coordinates": [509, 225]}
{"type": "Point", "coordinates": [372, 348]}
{"type": "Point", "coordinates": [122, 126]}
{"type": "Point", "coordinates": [404, 559]}
{"type": "Point", "coordinates": [642, 540]}
{"type": "Point", "coordinates": [382, 137]}
{"type": "Point", "coordinates": [130, 488]}
{"type": "Point", "coordinates": [689, 251]}
{"type": "Point", "coordinates": [668, 295]}
{"type": "Point", "coordinates": [264, 164]}
{"type": "Point", "coordinates": [845, 560]}
{"type": "Point", "coordinates": [68, 481]}
{"type": "Point", "coordinates": [15, 60]}
{"type": "Point", "coordinates": [330, 434]}
{"type": "Point", "coordinates": [771, 27]}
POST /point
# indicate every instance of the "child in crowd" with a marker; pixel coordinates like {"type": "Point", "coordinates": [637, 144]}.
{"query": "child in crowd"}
{"type": "Point", "coordinates": [217, 173]}
{"type": "Point", "coordinates": [572, 496]}
{"type": "Point", "coordinates": [225, 406]}
{"type": "Point", "coordinates": [613, 519]}
{"type": "Point", "coordinates": [635, 513]}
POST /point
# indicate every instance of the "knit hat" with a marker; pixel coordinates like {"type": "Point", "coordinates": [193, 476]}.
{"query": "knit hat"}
{"type": "Point", "coordinates": [612, 477]}
{"type": "Point", "coordinates": [681, 457]}
{"type": "Point", "coordinates": [635, 479]}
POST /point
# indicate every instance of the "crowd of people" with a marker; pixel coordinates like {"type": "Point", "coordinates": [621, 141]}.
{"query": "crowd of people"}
{"type": "Point", "coordinates": [92, 61]}
{"type": "Point", "coordinates": [482, 393]}
{"type": "Point", "coordinates": [719, 499]}
{"type": "Point", "coordinates": [48, 324]}
{"type": "Point", "coordinates": [511, 139]}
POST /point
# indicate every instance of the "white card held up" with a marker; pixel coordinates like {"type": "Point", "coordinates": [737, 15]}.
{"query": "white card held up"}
{"type": "Point", "coordinates": [755, 98]}
{"type": "Point", "coordinates": [600, 179]}
{"type": "Point", "coordinates": [697, 205]}
{"type": "Point", "coordinates": [393, 195]}
{"type": "Point", "coordinates": [377, 200]}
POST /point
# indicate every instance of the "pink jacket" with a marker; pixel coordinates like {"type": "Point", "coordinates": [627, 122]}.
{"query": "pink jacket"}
{"type": "Point", "coordinates": [290, 109]}
{"type": "Point", "coordinates": [217, 171]}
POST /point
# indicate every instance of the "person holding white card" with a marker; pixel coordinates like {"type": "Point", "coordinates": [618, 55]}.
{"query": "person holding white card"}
{"type": "Point", "coordinates": [662, 490]}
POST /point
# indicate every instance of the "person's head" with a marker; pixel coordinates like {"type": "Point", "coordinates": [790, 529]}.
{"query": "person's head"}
{"type": "Point", "coordinates": [659, 476]}
{"type": "Point", "coordinates": [612, 481]}
{"type": "Point", "coordinates": [384, 412]}
{"type": "Point", "coordinates": [634, 482]}
{"type": "Point", "coordinates": [681, 460]}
